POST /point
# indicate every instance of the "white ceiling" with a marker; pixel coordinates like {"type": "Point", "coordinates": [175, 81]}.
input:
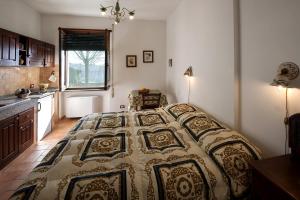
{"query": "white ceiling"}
{"type": "Point", "coordinates": [145, 9]}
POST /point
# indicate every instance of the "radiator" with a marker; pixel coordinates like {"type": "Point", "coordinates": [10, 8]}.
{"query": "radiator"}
{"type": "Point", "coordinates": [79, 106]}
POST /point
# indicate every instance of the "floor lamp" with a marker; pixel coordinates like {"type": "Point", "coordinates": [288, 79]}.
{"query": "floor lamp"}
{"type": "Point", "coordinates": [189, 73]}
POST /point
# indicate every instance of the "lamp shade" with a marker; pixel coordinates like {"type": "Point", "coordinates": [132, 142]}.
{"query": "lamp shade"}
{"type": "Point", "coordinates": [189, 72]}
{"type": "Point", "coordinates": [286, 72]}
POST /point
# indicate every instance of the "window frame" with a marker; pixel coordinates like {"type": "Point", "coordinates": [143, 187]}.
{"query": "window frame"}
{"type": "Point", "coordinates": [107, 66]}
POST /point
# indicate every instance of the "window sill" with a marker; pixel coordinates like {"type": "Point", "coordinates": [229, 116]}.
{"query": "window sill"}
{"type": "Point", "coordinates": [85, 89]}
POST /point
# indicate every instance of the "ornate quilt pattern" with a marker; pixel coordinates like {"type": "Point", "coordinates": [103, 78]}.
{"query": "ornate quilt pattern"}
{"type": "Point", "coordinates": [52, 156]}
{"type": "Point", "coordinates": [199, 124]}
{"type": "Point", "coordinates": [111, 122]}
{"type": "Point", "coordinates": [150, 119]}
{"type": "Point", "coordinates": [25, 192]}
{"type": "Point", "coordinates": [145, 155]}
{"type": "Point", "coordinates": [178, 109]}
{"type": "Point", "coordinates": [104, 146]}
{"type": "Point", "coordinates": [98, 186]}
{"type": "Point", "coordinates": [183, 179]}
{"type": "Point", "coordinates": [161, 140]}
{"type": "Point", "coordinates": [231, 152]}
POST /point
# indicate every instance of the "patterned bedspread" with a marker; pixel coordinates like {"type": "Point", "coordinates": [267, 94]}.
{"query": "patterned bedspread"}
{"type": "Point", "coordinates": [175, 152]}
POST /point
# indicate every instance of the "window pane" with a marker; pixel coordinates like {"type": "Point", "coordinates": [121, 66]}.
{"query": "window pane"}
{"type": "Point", "coordinates": [85, 69]}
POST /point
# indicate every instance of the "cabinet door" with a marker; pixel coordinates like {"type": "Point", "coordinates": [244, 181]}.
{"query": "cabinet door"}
{"type": "Point", "coordinates": [49, 55]}
{"type": "Point", "coordinates": [44, 117]}
{"type": "Point", "coordinates": [36, 53]}
{"type": "Point", "coordinates": [26, 131]}
{"type": "Point", "coordinates": [9, 48]}
{"type": "Point", "coordinates": [8, 140]}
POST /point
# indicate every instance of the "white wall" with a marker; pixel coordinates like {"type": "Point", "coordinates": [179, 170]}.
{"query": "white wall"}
{"type": "Point", "coordinates": [270, 33]}
{"type": "Point", "coordinates": [130, 37]}
{"type": "Point", "coordinates": [18, 17]}
{"type": "Point", "coordinates": [200, 33]}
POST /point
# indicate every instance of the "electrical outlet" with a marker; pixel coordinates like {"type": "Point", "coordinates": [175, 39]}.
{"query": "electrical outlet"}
{"type": "Point", "coordinates": [122, 106]}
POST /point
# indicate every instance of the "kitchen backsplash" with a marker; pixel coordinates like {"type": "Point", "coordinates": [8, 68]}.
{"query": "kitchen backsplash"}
{"type": "Point", "coordinates": [12, 78]}
{"type": "Point", "coordinates": [46, 73]}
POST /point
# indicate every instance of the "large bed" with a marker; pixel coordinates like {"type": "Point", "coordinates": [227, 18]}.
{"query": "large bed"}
{"type": "Point", "coordinates": [175, 152]}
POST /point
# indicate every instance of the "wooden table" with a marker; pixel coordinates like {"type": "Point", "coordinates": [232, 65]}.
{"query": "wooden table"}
{"type": "Point", "coordinates": [276, 178]}
{"type": "Point", "coordinates": [136, 99]}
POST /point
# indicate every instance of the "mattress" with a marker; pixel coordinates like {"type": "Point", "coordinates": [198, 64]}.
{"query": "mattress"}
{"type": "Point", "coordinates": [175, 152]}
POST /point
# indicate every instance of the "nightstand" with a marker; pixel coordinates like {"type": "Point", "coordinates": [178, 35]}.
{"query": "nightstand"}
{"type": "Point", "coordinates": [276, 178]}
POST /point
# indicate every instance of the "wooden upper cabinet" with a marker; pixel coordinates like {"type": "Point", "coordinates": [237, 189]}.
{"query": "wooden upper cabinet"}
{"type": "Point", "coordinates": [19, 50]}
{"type": "Point", "coordinates": [49, 55]}
{"type": "Point", "coordinates": [36, 53]}
{"type": "Point", "coordinates": [9, 48]}
{"type": "Point", "coordinates": [40, 53]}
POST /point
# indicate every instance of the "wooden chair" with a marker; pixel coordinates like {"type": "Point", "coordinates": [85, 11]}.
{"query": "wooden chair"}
{"type": "Point", "coordinates": [151, 101]}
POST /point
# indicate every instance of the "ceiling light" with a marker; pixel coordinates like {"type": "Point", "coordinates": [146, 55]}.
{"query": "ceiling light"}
{"type": "Point", "coordinates": [131, 15]}
{"type": "Point", "coordinates": [117, 13]}
{"type": "Point", "coordinates": [103, 11]}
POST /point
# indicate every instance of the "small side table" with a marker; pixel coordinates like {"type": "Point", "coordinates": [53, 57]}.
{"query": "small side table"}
{"type": "Point", "coordinates": [276, 178]}
{"type": "Point", "coordinates": [136, 99]}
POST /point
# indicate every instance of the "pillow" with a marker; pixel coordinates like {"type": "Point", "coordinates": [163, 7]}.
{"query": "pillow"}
{"type": "Point", "coordinates": [178, 109]}
{"type": "Point", "coordinates": [231, 152]}
{"type": "Point", "coordinates": [198, 125]}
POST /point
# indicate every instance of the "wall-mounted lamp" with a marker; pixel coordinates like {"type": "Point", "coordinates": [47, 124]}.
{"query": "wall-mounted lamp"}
{"type": "Point", "coordinates": [287, 72]}
{"type": "Point", "coordinates": [188, 73]}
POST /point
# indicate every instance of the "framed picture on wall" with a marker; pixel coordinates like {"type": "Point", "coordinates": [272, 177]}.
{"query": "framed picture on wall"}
{"type": "Point", "coordinates": [148, 56]}
{"type": "Point", "coordinates": [131, 61]}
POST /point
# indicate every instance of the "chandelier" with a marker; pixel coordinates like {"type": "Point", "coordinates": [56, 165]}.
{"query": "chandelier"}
{"type": "Point", "coordinates": [117, 13]}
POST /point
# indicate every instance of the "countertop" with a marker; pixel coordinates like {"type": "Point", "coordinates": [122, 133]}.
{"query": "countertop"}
{"type": "Point", "coordinates": [12, 105]}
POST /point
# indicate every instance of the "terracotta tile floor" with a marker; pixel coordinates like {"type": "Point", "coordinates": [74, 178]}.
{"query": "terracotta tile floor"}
{"type": "Point", "coordinates": [14, 173]}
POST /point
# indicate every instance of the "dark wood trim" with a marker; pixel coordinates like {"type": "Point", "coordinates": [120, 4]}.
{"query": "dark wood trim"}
{"type": "Point", "coordinates": [82, 29]}
{"type": "Point", "coordinates": [59, 58]}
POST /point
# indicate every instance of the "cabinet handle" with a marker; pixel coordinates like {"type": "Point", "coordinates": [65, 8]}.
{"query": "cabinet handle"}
{"type": "Point", "coordinates": [21, 127]}
{"type": "Point", "coordinates": [39, 107]}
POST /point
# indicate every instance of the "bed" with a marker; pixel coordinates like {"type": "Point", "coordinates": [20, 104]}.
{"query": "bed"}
{"type": "Point", "coordinates": [174, 152]}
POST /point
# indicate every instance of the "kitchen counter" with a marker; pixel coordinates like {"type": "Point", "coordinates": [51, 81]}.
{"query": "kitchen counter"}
{"type": "Point", "coordinates": [39, 95]}
{"type": "Point", "coordinates": [11, 105]}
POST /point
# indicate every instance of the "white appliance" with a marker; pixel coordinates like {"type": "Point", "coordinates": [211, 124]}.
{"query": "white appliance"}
{"type": "Point", "coordinates": [44, 116]}
{"type": "Point", "coordinates": [79, 106]}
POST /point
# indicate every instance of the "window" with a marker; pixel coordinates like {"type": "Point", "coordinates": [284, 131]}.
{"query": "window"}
{"type": "Point", "coordinates": [84, 58]}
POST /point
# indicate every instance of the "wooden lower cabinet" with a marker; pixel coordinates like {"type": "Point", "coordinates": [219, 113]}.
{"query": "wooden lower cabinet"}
{"type": "Point", "coordinates": [26, 130]}
{"type": "Point", "coordinates": [8, 140]}
{"type": "Point", "coordinates": [16, 135]}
